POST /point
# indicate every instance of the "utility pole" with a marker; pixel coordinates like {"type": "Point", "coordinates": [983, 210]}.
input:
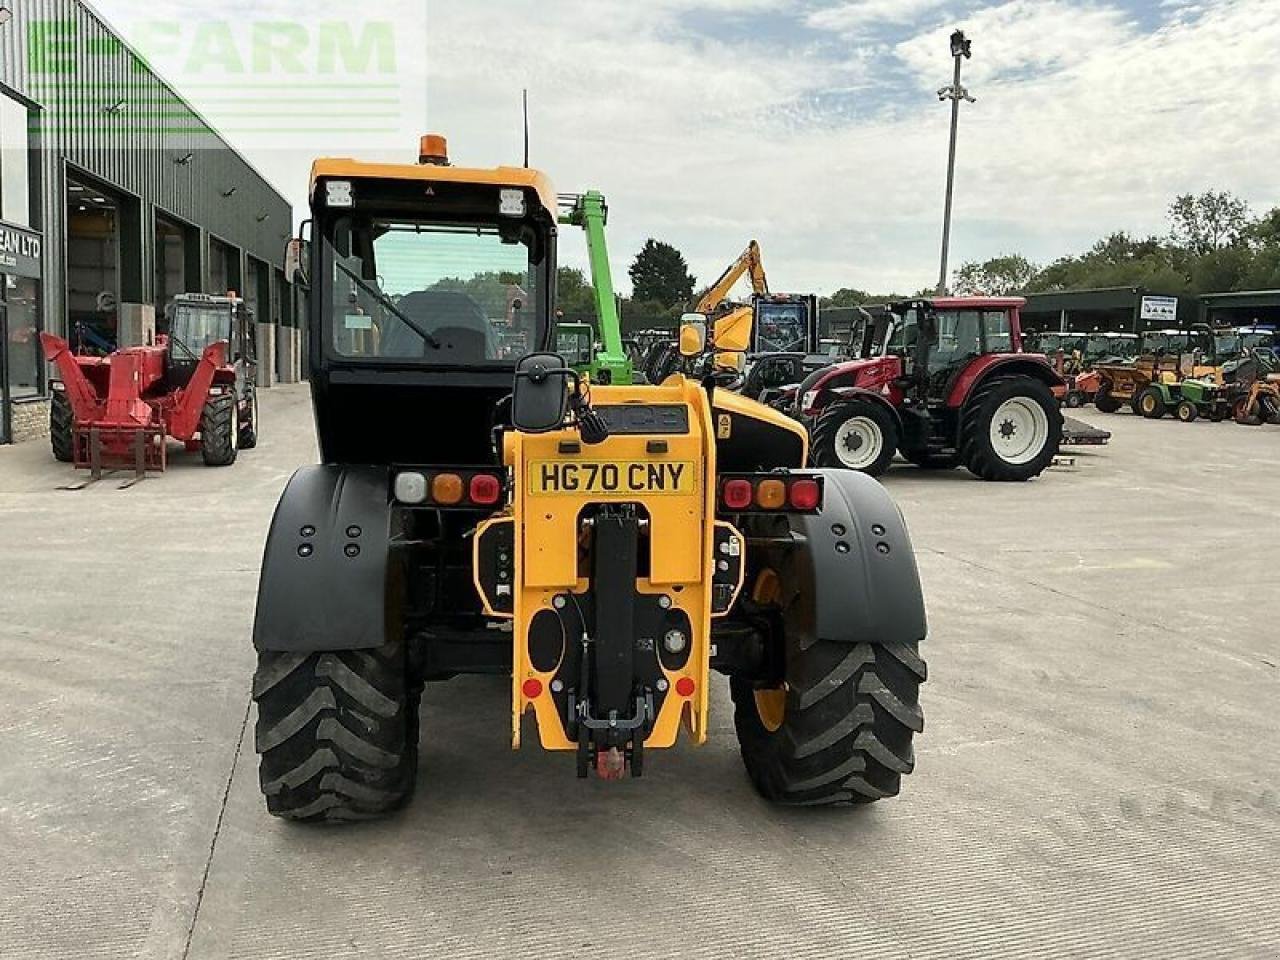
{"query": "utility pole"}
{"type": "Point", "coordinates": [960, 50]}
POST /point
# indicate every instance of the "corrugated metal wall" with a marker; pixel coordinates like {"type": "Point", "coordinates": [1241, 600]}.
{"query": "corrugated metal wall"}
{"type": "Point", "coordinates": [135, 150]}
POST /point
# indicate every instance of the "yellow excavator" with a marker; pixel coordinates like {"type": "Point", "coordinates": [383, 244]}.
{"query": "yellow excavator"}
{"type": "Point", "coordinates": [779, 322]}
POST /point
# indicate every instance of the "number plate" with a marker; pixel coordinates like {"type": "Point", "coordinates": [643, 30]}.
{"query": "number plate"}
{"type": "Point", "coordinates": [579, 477]}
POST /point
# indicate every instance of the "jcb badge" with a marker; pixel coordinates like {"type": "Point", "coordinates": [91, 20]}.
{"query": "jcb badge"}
{"type": "Point", "coordinates": [596, 477]}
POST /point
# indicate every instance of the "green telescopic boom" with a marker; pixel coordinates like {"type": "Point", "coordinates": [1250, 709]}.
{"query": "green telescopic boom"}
{"type": "Point", "coordinates": [590, 212]}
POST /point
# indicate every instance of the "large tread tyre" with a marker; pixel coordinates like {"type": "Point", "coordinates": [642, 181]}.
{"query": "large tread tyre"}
{"type": "Point", "coordinates": [249, 424]}
{"type": "Point", "coordinates": [1030, 427]}
{"type": "Point", "coordinates": [219, 431]}
{"type": "Point", "coordinates": [856, 435]}
{"type": "Point", "coordinates": [1150, 403]}
{"type": "Point", "coordinates": [1104, 402]}
{"type": "Point", "coordinates": [846, 735]}
{"type": "Point", "coordinates": [62, 423]}
{"type": "Point", "coordinates": [337, 733]}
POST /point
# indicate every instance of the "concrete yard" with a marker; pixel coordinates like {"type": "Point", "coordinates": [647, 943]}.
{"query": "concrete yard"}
{"type": "Point", "coordinates": [1099, 774]}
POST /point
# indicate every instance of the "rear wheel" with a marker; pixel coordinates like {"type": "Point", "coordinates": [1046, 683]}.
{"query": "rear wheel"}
{"type": "Point", "coordinates": [840, 730]}
{"type": "Point", "coordinates": [1150, 403]}
{"type": "Point", "coordinates": [1243, 413]}
{"type": "Point", "coordinates": [1186, 411]}
{"type": "Point", "coordinates": [1011, 429]}
{"type": "Point", "coordinates": [61, 427]}
{"type": "Point", "coordinates": [1104, 401]}
{"type": "Point", "coordinates": [337, 733]}
{"type": "Point", "coordinates": [855, 435]}
{"type": "Point", "coordinates": [219, 431]}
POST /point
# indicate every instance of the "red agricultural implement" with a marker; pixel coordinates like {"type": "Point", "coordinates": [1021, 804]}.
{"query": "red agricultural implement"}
{"type": "Point", "coordinates": [195, 384]}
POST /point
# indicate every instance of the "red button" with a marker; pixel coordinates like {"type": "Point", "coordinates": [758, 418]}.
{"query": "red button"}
{"type": "Point", "coordinates": [532, 688]}
{"type": "Point", "coordinates": [685, 686]}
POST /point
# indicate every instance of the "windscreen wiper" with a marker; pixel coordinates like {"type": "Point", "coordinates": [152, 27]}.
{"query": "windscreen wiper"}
{"type": "Point", "coordinates": [386, 301]}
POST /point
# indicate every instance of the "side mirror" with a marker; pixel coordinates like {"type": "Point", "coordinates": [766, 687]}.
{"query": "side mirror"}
{"type": "Point", "coordinates": [295, 258]}
{"type": "Point", "coordinates": [540, 396]}
{"type": "Point", "coordinates": [733, 332]}
{"type": "Point", "coordinates": [693, 334]}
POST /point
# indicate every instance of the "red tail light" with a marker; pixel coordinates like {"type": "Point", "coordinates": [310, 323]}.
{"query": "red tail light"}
{"type": "Point", "coordinates": [736, 494]}
{"type": "Point", "coordinates": [485, 489]}
{"type": "Point", "coordinates": [805, 494]}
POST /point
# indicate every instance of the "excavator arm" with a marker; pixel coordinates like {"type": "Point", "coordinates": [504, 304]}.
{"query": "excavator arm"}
{"type": "Point", "coordinates": [748, 262]}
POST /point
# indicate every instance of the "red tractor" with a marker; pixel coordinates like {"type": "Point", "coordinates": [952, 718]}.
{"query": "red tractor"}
{"type": "Point", "coordinates": [195, 384]}
{"type": "Point", "coordinates": [945, 382]}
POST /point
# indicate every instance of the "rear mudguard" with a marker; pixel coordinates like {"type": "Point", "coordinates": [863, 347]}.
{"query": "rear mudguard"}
{"type": "Point", "coordinates": [853, 575]}
{"type": "Point", "coordinates": [326, 579]}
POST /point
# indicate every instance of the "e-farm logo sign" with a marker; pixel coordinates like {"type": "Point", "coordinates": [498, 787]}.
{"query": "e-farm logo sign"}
{"type": "Point", "coordinates": [358, 81]}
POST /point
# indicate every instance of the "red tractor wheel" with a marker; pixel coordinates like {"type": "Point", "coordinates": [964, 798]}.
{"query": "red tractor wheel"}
{"type": "Point", "coordinates": [855, 435]}
{"type": "Point", "coordinates": [1011, 429]}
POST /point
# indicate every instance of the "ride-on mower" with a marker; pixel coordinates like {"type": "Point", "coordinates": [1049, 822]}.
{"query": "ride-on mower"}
{"type": "Point", "coordinates": [604, 547]}
{"type": "Point", "coordinates": [196, 383]}
{"type": "Point", "coordinates": [943, 381]}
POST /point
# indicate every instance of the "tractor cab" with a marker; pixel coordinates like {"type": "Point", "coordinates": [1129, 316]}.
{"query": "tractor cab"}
{"type": "Point", "coordinates": [936, 340]}
{"type": "Point", "coordinates": [427, 283]}
{"type": "Point", "coordinates": [194, 322]}
{"type": "Point", "coordinates": [784, 323]}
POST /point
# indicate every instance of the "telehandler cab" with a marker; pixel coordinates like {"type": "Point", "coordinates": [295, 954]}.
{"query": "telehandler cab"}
{"type": "Point", "coordinates": [605, 547]}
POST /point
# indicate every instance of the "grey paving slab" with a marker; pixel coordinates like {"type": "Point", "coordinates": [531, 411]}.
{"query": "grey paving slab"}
{"type": "Point", "coordinates": [1098, 775]}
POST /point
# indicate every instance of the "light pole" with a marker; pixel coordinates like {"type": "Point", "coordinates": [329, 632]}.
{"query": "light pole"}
{"type": "Point", "coordinates": [960, 49]}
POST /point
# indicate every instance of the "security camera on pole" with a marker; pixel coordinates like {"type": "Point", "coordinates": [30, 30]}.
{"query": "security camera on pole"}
{"type": "Point", "coordinates": [961, 48]}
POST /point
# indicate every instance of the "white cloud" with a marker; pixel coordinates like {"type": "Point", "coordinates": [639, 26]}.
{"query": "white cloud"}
{"type": "Point", "coordinates": [1085, 123]}
{"type": "Point", "coordinates": [859, 14]}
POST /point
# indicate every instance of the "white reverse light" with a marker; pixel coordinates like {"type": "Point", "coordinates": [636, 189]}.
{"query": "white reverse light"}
{"type": "Point", "coordinates": [338, 193]}
{"type": "Point", "coordinates": [410, 487]}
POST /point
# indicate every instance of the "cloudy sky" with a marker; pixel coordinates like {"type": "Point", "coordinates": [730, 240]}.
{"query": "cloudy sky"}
{"type": "Point", "coordinates": [811, 125]}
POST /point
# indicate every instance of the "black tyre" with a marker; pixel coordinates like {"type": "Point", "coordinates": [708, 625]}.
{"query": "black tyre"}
{"type": "Point", "coordinates": [1243, 413]}
{"type": "Point", "coordinates": [61, 427]}
{"type": "Point", "coordinates": [1011, 429]}
{"type": "Point", "coordinates": [932, 461]}
{"type": "Point", "coordinates": [219, 431]}
{"type": "Point", "coordinates": [1074, 398]}
{"type": "Point", "coordinates": [845, 726]}
{"type": "Point", "coordinates": [855, 435]}
{"type": "Point", "coordinates": [1103, 400]}
{"type": "Point", "coordinates": [249, 422]}
{"type": "Point", "coordinates": [1150, 403]}
{"type": "Point", "coordinates": [337, 733]}
{"type": "Point", "coordinates": [1186, 411]}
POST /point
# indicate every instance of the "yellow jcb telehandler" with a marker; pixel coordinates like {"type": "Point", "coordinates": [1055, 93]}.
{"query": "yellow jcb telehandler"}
{"type": "Point", "coordinates": [605, 547]}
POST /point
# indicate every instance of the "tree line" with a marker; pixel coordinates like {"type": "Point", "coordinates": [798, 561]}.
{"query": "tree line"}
{"type": "Point", "coordinates": [1214, 245]}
